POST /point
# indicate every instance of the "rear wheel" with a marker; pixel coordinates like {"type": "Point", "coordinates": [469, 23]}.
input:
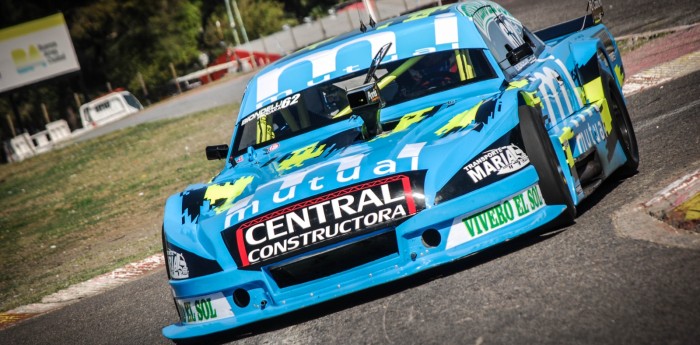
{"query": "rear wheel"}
{"type": "Point", "coordinates": [624, 130]}
{"type": "Point", "coordinates": [541, 153]}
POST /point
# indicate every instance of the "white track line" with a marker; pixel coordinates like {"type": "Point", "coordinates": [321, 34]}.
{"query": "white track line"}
{"type": "Point", "coordinates": [645, 124]}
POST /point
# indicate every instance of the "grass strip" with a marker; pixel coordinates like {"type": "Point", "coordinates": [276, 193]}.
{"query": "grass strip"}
{"type": "Point", "coordinates": [76, 212]}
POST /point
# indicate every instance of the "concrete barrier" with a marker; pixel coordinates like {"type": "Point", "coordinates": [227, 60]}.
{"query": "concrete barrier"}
{"type": "Point", "coordinates": [58, 131]}
{"type": "Point", "coordinates": [22, 147]}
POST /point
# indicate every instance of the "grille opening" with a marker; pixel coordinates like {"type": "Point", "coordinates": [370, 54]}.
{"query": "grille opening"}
{"type": "Point", "coordinates": [431, 238]}
{"type": "Point", "coordinates": [336, 260]}
{"type": "Point", "coordinates": [241, 298]}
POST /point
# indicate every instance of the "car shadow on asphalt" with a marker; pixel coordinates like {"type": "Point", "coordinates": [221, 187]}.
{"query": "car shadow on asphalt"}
{"type": "Point", "coordinates": [612, 183]}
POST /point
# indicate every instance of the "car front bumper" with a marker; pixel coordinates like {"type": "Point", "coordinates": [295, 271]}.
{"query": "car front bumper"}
{"type": "Point", "coordinates": [459, 227]}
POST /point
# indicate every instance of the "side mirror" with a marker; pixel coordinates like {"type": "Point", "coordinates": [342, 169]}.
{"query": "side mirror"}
{"type": "Point", "coordinates": [365, 101]}
{"type": "Point", "coordinates": [217, 152]}
{"type": "Point", "coordinates": [519, 53]}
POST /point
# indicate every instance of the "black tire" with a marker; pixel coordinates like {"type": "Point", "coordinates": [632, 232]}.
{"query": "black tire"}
{"type": "Point", "coordinates": [165, 251]}
{"type": "Point", "coordinates": [539, 149]}
{"type": "Point", "coordinates": [623, 129]}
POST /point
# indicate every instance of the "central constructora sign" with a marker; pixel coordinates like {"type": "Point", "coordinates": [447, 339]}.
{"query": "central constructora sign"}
{"type": "Point", "coordinates": [316, 221]}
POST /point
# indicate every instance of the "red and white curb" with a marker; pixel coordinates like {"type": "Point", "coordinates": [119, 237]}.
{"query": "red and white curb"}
{"type": "Point", "coordinates": [660, 74]}
{"type": "Point", "coordinates": [82, 290]}
{"type": "Point", "coordinates": [635, 220]}
{"type": "Point", "coordinates": [677, 192]}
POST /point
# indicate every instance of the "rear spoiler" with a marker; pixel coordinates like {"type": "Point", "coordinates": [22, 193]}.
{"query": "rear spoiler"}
{"type": "Point", "coordinates": [593, 17]}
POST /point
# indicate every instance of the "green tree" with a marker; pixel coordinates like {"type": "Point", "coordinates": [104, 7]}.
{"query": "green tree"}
{"type": "Point", "coordinates": [305, 8]}
{"type": "Point", "coordinates": [127, 37]}
{"type": "Point", "coordinates": [264, 17]}
{"type": "Point", "coordinates": [116, 39]}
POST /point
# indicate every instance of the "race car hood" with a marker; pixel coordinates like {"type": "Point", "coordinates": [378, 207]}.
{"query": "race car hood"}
{"type": "Point", "coordinates": [428, 145]}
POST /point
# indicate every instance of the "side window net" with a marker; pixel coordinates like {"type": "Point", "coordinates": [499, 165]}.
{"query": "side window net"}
{"type": "Point", "coordinates": [504, 36]}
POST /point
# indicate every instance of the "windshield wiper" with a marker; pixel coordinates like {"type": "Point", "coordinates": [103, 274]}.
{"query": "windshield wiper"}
{"type": "Point", "coordinates": [371, 73]}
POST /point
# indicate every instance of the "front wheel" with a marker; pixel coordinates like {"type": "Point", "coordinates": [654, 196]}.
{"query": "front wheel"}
{"type": "Point", "coordinates": [541, 153]}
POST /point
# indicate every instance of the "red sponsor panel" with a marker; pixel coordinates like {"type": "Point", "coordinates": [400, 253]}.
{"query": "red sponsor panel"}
{"type": "Point", "coordinates": [325, 219]}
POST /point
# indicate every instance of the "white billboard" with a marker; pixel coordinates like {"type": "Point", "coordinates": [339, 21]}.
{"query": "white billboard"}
{"type": "Point", "coordinates": [34, 51]}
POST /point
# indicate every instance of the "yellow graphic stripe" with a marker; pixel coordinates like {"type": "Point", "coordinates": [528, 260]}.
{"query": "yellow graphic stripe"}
{"type": "Point", "coordinates": [384, 26]}
{"type": "Point", "coordinates": [301, 155]}
{"type": "Point", "coordinates": [595, 94]}
{"type": "Point", "coordinates": [411, 118]}
{"type": "Point", "coordinates": [564, 138]}
{"type": "Point", "coordinates": [460, 120]}
{"type": "Point", "coordinates": [530, 98]}
{"type": "Point", "coordinates": [579, 91]}
{"type": "Point", "coordinates": [517, 84]}
{"type": "Point", "coordinates": [605, 114]}
{"type": "Point", "coordinates": [33, 26]}
{"type": "Point", "coordinates": [620, 75]}
{"type": "Point", "coordinates": [228, 191]}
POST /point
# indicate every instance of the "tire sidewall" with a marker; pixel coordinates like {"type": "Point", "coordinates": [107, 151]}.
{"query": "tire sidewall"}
{"type": "Point", "coordinates": [539, 149]}
{"type": "Point", "coordinates": [620, 118]}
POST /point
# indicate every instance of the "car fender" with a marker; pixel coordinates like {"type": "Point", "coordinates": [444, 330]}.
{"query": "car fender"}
{"type": "Point", "coordinates": [584, 51]}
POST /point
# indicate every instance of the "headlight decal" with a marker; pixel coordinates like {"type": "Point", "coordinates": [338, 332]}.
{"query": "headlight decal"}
{"type": "Point", "coordinates": [501, 159]}
{"type": "Point", "coordinates": [177, 266]}
{"type": "Point", "coordinates": [183, 264]}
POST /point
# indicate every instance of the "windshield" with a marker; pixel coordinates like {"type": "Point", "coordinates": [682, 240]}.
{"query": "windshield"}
{"type": "Point", "coordinates": [326, 103]}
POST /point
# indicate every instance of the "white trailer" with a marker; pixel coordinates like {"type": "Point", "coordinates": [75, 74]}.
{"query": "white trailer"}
{"type": "Point", "coordinates": [108, 108]}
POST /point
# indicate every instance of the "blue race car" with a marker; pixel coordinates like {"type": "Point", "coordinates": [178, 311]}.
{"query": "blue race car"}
{"type": "Point", "coordinates": [393, 149]}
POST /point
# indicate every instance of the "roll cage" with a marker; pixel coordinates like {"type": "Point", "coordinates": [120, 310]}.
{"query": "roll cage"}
{"type": "Point", "coordinates": [323, 104]}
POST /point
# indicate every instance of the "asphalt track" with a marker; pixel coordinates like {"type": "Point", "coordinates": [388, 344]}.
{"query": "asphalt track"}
{"type": "Point", "coordinates": [580, 285]}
